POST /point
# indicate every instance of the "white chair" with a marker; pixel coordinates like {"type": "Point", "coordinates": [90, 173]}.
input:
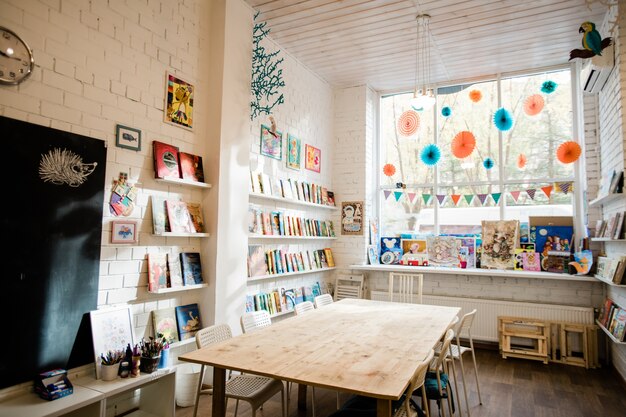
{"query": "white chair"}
{"type": "Point", "coordinates": [254, 320]}
{"type": "Point", "coordinates": [323, 300]}
{"type": "Point", "coordinates": [304, 307]}
{"type": "Point", "coordinates": [410, 287]}
{"type": "Point", "coordinates": [417, 381]}
{"type": "Point", "coordinates": [438, 375]}
{"type": "Point", "coordinates": [349, 286]}
{"type": "Point", "coordinates": [254, 389]}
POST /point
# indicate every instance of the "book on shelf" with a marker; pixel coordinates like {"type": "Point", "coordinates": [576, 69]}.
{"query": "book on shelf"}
{"type": "Point", "coordinates": [175, 271]}
{"type": "Point", "coordinates": [322, 255]}
{"type": "Point", "coordinates": [160, 220]}
{"type": "Point", "coordinates": [298, 294]}
{"type": "Point", "coordinates": [599, 229]}
{"type": "Point", "coordinates": [277, 188]}
{"type": "Point", "coordinates": [257, 265]}
{"type": "Point", "coordinates": [287, 191]}
{"type": "Point", "coordinates": [290, 299]}
{"type": "Point", "coordinates": [249, 303]}
{"type": "Point", "coordinates": [266, 222]}
{"type": "Point", "coordinates": [197, 220]}
{"type": "Point", "coordinates": [166, 160]}
{"type": "Point", "coordinates": [157, 271]}
{"type": "Point", "coordinates": [619, 226]}
{"type": "Point", "coordinates": [307, 293]}
{"type": "Point", "coordinates": [317, 289]}
{"type": "Point", "coordinates": [188, 321]}
{"type": "Point", "coordinates": [191, 167]}
{"type": "Point", "coordinates": [329, 257]}
{"type": "Point", "coordinates": [266, 187]}
{"type": "Point", "coordinates": [178, 216]}
{"type": "Point", "coordinates": [604, 312]}
{"type": "Point", "coordinates": [610, 227]}
{"type": "Point", "coordinates": [617, 182]}
{"type": "Point", "coordinates": [255, 223]}
{"type": "Point", "coordinates": [619, 326]}
{"type": "Point", "coordinates": [191, 268]}
{"type": "Point", "coordinates": [255, 181]}
{"type": "Point", "coordinates": [164, 324]}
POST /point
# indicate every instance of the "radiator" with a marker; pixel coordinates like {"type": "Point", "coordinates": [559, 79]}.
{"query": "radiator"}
{"type": "Point", "coordinates": [485, 326]}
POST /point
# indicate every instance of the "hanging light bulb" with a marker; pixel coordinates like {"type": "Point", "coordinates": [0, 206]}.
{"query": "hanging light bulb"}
{"type": "Point", "coordinates": [423, 94]}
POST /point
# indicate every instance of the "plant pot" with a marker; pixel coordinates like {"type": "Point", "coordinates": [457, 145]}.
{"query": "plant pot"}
{"type": "Point", "coordinates": [109, 372]}
{"type": "Point", "coordinates": [149, 365]}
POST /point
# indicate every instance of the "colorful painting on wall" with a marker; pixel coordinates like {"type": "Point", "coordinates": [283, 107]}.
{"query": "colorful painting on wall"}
{"type": "Point", "coordinates": [179, 96]}
{"type": "Point", "coordinates": [271, 143]}
{"type": "Point", "coordinates": [293, 152]}
{"type": "Point", "coordinates": [313, 158]}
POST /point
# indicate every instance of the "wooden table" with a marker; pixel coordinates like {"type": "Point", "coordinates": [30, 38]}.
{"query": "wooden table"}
{"type": "Point", "coordinates": [364, 347]}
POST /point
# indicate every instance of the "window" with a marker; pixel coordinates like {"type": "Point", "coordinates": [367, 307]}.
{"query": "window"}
{"type": "Point", "coordinates": [510, 174]}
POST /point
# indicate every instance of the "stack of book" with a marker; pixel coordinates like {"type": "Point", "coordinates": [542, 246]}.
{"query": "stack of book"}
{"type": "Point", "coordinates": [613, 318]}
{"type": "Point", "coordinates": [612, 269]}
{"type": "Point", "coordinates": [281, 300]}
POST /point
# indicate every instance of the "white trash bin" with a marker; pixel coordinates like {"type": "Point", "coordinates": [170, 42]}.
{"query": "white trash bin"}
{"type": "Point", "coordinates": [187, 376]}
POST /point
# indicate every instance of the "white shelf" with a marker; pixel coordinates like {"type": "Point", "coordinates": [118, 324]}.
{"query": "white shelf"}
{"type": "Point", "coordinates": [290, 201]}
{"type": "Point", "coordinates": [180, 181]}
{"type": "Point", "coordinates": [282, 313]}
{"type": "Point", "coordinates": [609, 334]}
{"type": "Point", "coordinates": [182, 343]}
{"type": "Point", "coordinates": [288, 274]}
{"type": "Point", "coordinates": [176, 289]}
{"type": "Point", "coordinates": [606, 281]}
{"type": "Point", "coordinates": [172, 234]}
{"type": "Point", "coordinates": [82, 399]}
{"type": "Point", "coordinates": [288, 237]}
{"type": "Point", "coordinates": [606, 239]}
{"type": "Point", "coordinates": [606, 199]}
{"type": "Point", "coordinates": [507, 273]}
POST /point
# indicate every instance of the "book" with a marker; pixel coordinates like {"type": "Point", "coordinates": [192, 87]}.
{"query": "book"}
{"type": "Point", "coordinates": [610, 227]}
{"type": "Point", "coordinates": [443, 250]}
{"type": "Point", "coordinates": [175, 271]}
{"type": "Point", "coordinates": [290, 299]}
{"type": "Point", "coordinates": [179, 218]}
{"type": "Point", "coordinates": [249, 303]}
{"type": "Point", "coordinates": [322, 256]}
{"type": "Point", "coordinates": [157, 271]}
{"type": "Point", "coordinates": [606, 307]}
{"type": "Point", "coordinates": [599, 229]}
{"type": "Point", "coordinates": [195, 213]}
{"type": "Point", "coordinates": [277, 188]}
{"type": "Point", "coordinates": [317, 289]}
{"type": "Point", "coordinates": [256, 182]}
{"type": "Point", "coordinates": [191, 268]}
{"type": "Point", "coordinates": [191, 167]}
{"type": "Point", "coordinates": [331, 198]}
{"type": "Point", "coordinates": [298, 294]}
{"type": "Point", "coordinates": [619, 226]}
{"type": "Point", "coordinates": [164, 324]}
{"type": "Point", "coordinates": [188, 321]}
{"type": "Point", "coordinates": [257, 264]}
{"type": "Point", "coordinates": [287, 191]}
{"type": "Point", "coordinates": [619, 328]}
{"type": "Point", "coordinates": [531, 261]}
{"type": "Point", "coordinates": [255, 225]}
{"type": "Point", "coordinates": [266, 188]}
{"type": "Point", "coordinates": [307, 293]}
{"type": "Point", "coordinates": [329, 257]}
{"type": "Point", "coordinates": [165, 160]}
{"type": "Point", "coordinates": [266, 223]}
{"type": "Point", "coordinates": [160, 220]}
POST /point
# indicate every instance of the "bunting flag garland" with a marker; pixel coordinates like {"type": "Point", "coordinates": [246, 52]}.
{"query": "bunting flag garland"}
{"type": "Point", "coordinates": [547, 190]}
{"type": "Point", "coordinates": [565, 187]}
{"type": "Point", "coordinates": [469, 198]}
{"type": "Point", "coordinates": [398, 195]}
{"type": "Point", "coordinates": [496, 197]}
{"type": "Point", "coordinates": [531, 193]}
{"type": "Point", "coordinates": [482, 198]}
{"type": "Point", "coordinates": [441, 198]}
{"type": "Point", "coordinates": [411, 197]}
{"type": "Point", "coordinates": [455, 198]}
{"type": "Point", "coordinates": [387, 194]}
{"type": "Point", "coordinates": [515, 195]}
{"type": "Point", "coordinates": [426, 198]}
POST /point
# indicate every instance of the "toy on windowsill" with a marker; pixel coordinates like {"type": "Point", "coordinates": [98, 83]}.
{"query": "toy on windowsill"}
{"type": "Point", "coordinates": [53, 384]}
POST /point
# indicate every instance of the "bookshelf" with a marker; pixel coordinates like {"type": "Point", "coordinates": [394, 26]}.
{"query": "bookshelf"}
{"type": "Point", "coordinates": [182, 343]}
{"type": "Point", "coordinates": [180, 181]}
{"type": "Point", "coordinates": [173, 234]}
{"type": "Point", "coordinates": [609, 334]}
{"type": "Point", "coordinates": [288, 274]}
{"type": "Point", "coordinates": [606, 281]}
{"type": "Point", "coordinates": [177, 289]}
{"type": "Point", "coordinates": [606, 239]}
{"type": "Point", "coordinates": [288, 237]}
{"type": "Point", "coordinates": [605, 199]}
{"type": "Point", "coordinates": [291, 201]}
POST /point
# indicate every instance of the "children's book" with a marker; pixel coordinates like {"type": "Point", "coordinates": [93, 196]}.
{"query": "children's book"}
{"type": "Point", "coordinates": [175, 271]}
{"type": "Point", "coordinates": [317, 289]}
{"type": "Point", "coordinates": [195, 213]}
{"type": "Point", "coordinates": [414, 252]}
{"type": "Point", "coordinates": [179, 218]}
{"type": "Point", "coordinates": [255, 223]}
{"type": "Point", "coordinates": [266, 220]}
{"type": "Point", "coordinates": [391, 250]}
{"type": "Point", "coordinates": [298, 295]}
{"type": "Point", "coordinates": [331, 198]}
{"type": "Point", "coordinates": [329, 257]}
{"type": "Point", "coordinates": [257, 264]}
{"type": "Point", "coordinates": [531, 261]}
{"type": "Point", "coordinates": [256, 182]}
{"type": "Point", "coordinates": [164, 323]}
{"type": "Point", "coordinates": [620, 325]}
{"type": "Point", "coordinates": [249, 303]}
{"type": "Point", "coordinates": [322, 255]}
{"type": "Point", "coordinates": [188, 321]}
{"type": "Point", "coordinates": [307, 293]}
{"type": "Point", "coordinates": [290, 299]}
{"type": "Point", "coordinates": [191, 267]}
{"type": "Point", "coordinates": [157, 271]}
{"type": "Point", "coordinates": [287, 191]}
{"type": "Point", "coordinates": [266, 188]}
{"type": "Point", "coordinates": [191, 167]}
{"type": "Point", "coordinates": [277, 188]}
{"type": "Point", "coordinates": [160, 221]}
{"type": "Point", "coordinates": [165, 160]}
{"type": "Point", "coordinates": [443, 250]}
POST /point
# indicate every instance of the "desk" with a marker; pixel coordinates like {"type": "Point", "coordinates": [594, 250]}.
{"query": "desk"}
{"type": "Point", "coordinates": [357, 346]}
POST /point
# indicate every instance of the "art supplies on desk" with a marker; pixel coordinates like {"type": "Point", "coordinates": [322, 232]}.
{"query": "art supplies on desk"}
{"type": "Point", "coordinates": [53, 384]}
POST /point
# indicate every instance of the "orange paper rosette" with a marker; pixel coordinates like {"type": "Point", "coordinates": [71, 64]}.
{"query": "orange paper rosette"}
{"type": "Point", "coordinates": [389, 170]}
{"type": "Point", "coordinates": [521, 161]}
{"type": "Point", "coordinates": [463, 144]}
{"type": "Point", "coordinates": [408, 123]}
{"type": "Point", "coordinates": [475, 95]}
{"type": "Point", "coordinates": [533, 105]}
{"type": "Point", "coordinates": [568, 152]}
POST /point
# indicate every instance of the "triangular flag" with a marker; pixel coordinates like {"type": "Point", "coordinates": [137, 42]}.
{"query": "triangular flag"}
{"type": "Point", "coordinates": [469, 198]}
{"type": "Point", "coordinates": [455, 198]}
{"type": "Point", "coordinates": [411, 196]}
{"type": "Point", "coordinates": [496, 197]}
{"type": "Point", "coordinates": [547, 190]}
{"type": "Point", "coordinates": [515, 195]}
{"type": "Point", "coordinates": [426, 198]}
{"type": "Point", "coordinates": [531, 193]}
{"type": "Point", "coordinates": [482, 198]}
{"type": "Point", "coordinates": [397, 195]}
{"type": "Point", "coordinates": [387, 193]}
{"type": "Point", "coordinates": [565, 187]}
{"type": "Point", "coordinates": [441, 198]}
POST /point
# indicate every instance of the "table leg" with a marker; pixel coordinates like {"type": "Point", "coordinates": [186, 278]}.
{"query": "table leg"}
{"type": "Point", "coordinates": [301, 397]}
{"type": "Point", "coordinates": [219, 392]}
{"type": "Point", "coordinates": [383, 408]}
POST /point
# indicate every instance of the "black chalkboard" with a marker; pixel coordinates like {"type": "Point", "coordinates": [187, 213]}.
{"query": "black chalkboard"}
{"type": "Point", "coordinates": [52, 225]}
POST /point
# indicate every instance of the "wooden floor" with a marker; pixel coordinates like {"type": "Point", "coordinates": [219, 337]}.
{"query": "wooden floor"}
{"type": "Point", "coordinates": [509, 387]}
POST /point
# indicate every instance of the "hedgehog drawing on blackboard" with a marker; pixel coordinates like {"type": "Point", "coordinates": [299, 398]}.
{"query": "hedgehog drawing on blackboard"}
{"type": "Point", "coordinates": [60, 166]}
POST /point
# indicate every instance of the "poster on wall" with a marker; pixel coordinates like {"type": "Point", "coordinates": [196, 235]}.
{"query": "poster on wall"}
{"type": "Point", "coordinates": [313, 158]}
{"type": "Point", "coordinates": [271, 143]}
{"type": "Point", "coordinates": [293, 152]}
{"type": "Point", "coordinates": [179, 96]}
{"type": "Point", "coordinates": [352, 215]}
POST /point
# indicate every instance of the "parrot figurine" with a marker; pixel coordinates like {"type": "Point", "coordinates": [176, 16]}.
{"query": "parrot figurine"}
{"type": "Point", "coordinates": [592, 42]}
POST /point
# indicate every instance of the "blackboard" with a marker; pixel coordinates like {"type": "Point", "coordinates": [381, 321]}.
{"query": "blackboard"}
{"type": "Point", "coordinates": [52, 206]}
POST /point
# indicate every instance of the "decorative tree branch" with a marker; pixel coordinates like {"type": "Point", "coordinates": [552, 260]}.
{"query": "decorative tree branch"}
{"type": "Point", "coordinates": [267, 77]}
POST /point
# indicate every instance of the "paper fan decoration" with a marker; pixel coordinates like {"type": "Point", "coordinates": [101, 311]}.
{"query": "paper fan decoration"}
{"type": "Point", "coordinates": [446, 112]}
{"type": "Point", "coordinates": [463, 144]}
{"type": "Point", "coordinates": [430, 154]}
{"type": "Point", "coordinates": [389, 170]}
{"type": "Point", "coordinates": [488, 163]}
{"type": "Point", "coordinates": [503, 119]}
{"type": "Point", "coordinates": [521, 161]}
{"type": "Point", "coordinates": [568, 152]}
{"type": "Point", "coordinates": [548, 87]}
{"type": "Point", "coordinates": [408, 123]}
{"type": "Point", "coordinates": [475, 96]}
{"type": "Point", "coordinates": [533, 105]}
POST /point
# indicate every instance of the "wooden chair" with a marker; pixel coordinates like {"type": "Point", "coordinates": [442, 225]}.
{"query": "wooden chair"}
{"type": "Point", "coordinates": [254, 389]}
{"type": "Point", "coordinates": [304, 307]}
{"type": "Point", "coordinates": [406, 284]}
{"type": "Point", "coordinates": [349, 286]}
{"type": "Point", "coordinates": [323, 300]}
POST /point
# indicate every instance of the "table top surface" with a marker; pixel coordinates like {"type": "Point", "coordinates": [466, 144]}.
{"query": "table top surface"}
{"type": "Point", "coordinates": [360, 346]}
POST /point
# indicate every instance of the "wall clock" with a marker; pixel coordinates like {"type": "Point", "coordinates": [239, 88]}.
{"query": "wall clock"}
{"type": "Point", "coordinates": [16, 58]}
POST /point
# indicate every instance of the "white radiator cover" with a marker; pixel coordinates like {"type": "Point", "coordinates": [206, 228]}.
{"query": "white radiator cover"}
{"type": "Point", "coordinates": [485, 326]}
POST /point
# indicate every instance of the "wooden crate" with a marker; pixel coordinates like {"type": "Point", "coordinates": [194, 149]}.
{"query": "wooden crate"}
{"type": "Point", "coordinates": [536, 334]}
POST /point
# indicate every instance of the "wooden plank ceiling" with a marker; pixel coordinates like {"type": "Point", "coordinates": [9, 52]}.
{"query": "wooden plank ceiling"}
{"type": "Point", "coordinates": [356, 42]}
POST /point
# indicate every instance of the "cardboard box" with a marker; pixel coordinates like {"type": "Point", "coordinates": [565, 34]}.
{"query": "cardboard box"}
{"type": "Point", "coordinates": [53, 384]}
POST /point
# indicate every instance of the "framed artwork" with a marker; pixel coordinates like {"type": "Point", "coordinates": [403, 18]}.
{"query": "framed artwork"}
{"type": "Point", "coordinates": [128, 138]}
{"type": "Point", "coordinates": [500, 239]}
{"type": "Point", "coordinates": [271, 143]}
{"type": "Point", "coordinates": [179, 96]}
{"type": "Point", "coordinates": [124, 231]}
{"type": "Point", "coordinates": [111, 329]}
{"type": "Point", "coordinates": [313, 158]}
{"type": "Point", "coordinates": [293, 152]}
{"type": "Point", "coordinates": [352, 215]}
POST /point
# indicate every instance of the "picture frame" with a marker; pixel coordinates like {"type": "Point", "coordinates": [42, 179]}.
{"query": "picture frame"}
{"type": "Point", "coordinates": [352, 215]}
{"type": "Point", "coordinates": [271, 143]}
{"type": "Point", "coordinates": [128, 138]}
{"type": "Point", "coordinates": [294, 151]}
{"type": "Point", "coordinates": [111, 329]}
{"type": "Point", "coordinates": [179, 100]}
{"type": "Point", "coordinates": [124, 231]}
{"type": "Point", "coordinates": [313, 158]}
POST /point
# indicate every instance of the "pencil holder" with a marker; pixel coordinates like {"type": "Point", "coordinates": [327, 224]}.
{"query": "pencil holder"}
{"type": "Point", "coordinates": [149, 365]}
{"type": "Point", "coordinates": [109, 372]}
{"type": "Point", "coordinates": [135, 367]}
